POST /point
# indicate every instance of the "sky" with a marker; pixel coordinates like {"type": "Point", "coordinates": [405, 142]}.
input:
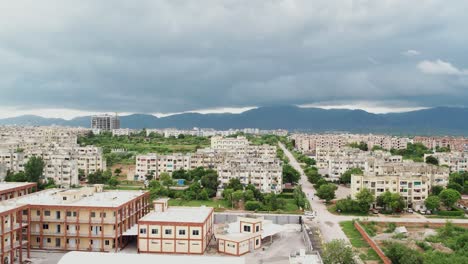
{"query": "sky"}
{"type": "Point", "coordinates": [70, 58]}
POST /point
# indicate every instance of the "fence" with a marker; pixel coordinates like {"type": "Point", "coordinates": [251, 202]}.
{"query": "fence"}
{"type": "Point", "coordinates": [280, 219]}
{"type": "Point", "coordinates": [372, 243]}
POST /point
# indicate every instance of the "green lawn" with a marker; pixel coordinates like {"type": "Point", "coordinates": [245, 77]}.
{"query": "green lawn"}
{"type": "Point", "coordinates": [332, 209]}
{"type": "Point", "coordinates": [195, 203]}
{"type": "Point", "coordinates": [358, 242]}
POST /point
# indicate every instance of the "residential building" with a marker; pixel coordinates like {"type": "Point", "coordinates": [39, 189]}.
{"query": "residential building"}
{"type": "Point", "coordinates": [456, 161]}
{"type": "Point", "coordinates": [155, 164]}
{"type": "Point", "coordinates": [175, 230]}
{"type": "Point", "coordinates": [226, 143]}
{"type": "Point", "coordinates": [105, 122]}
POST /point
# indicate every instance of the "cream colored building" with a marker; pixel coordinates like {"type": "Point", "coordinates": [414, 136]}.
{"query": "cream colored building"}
{"type": "Point", "coordinates": [226, 143]}
{"type": "Point", "coordinates": [155, 164]}
{"type": "Point", "coordinates": [456, 161]}
{"type": "Point", "coordinates": [247, 239]}
{"type": "Point", "coordinates": [175, 230]}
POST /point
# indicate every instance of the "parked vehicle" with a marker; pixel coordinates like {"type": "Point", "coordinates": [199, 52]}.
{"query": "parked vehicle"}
{"type": "Point", "coordinates": [410, 210]}
{"type": "Point", "coordinates": [428, 212]}
{"type": "Point", "coordinates": [375, 211]}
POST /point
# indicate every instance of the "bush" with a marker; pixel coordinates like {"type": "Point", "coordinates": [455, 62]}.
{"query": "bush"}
{"type": "Point", "coordinates": [390, 228]}
{"type": "Point", "coordinates": [253, 205]}
{"type": "Point", "coordinates": [455, 212]}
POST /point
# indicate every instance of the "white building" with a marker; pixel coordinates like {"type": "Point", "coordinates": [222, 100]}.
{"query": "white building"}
{"type": "Point", "coordinates": [105, 122]}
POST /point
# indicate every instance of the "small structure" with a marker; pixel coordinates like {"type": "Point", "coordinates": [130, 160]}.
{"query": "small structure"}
{"type": "Point", "coordinates": [401, 230]}
{"type": "Point", "coordinates": [245, 235]}
{"type": "Point", "coordinates": [181, 230]}
{"type": "Point", "coordinates": [305, 257]}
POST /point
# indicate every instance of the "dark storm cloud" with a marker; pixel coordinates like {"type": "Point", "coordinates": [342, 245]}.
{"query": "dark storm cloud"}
{"type": "Point", "coordinates": [175, 55]}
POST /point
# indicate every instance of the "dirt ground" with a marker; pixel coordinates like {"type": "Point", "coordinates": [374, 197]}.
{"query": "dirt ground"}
{"type": "Point", "coordinates": [127, 170]}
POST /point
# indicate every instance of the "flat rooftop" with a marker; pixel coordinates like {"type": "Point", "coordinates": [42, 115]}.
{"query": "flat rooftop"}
{"type": "Point", "coordinates": [180, 214]}
{"type": "Point", "coordinates": [97, 199]}
{"type": "Point", "coordinates": [4, 186]}
{"type": "Point", "coordinates": [98, 257]}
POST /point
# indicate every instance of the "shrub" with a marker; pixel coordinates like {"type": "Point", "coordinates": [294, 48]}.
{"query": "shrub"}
{"type": "Point", "coordinates": [455, 212]}
{"type": "Point", "coordinates": [390, 228]}
{"type": "Point", "coordinates": [253, 205]}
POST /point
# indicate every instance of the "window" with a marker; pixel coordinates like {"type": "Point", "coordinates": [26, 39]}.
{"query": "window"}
{"type": "Point", "coordinates": [182, 232]}
{"type": "Point", "coordinates": [257, 242]}
{"type": "Point", "coordinates": [69, 214]}
{"type": "Point", "coordinates": [142, 230]}
{"type": "Point", "coordinates": [257, 228]}
{"type": "Point", "coordinates": [45, 226]}
{"type": "Point", "coordinates": [47, 213]}
{"type": "Point", "coordinates": [38, 213]}
{"type": "Point", "coordinates": [102, 215]}
{"type": "Point", "coordinates": [246, 228]}
{"type": "Point", "coordinates": [49, 240]}
{"type": "Point", "coordinates": [107, 243]}
{"type": "Point", "coordinates": [154, 231]}
{"type": "Point", "coordinates": [93, 214]}
{"type": "Point", "coordinates": [168, 231]}
{"type": "Point", "coordinates": [38, 239]}
{"type": "Point", "coordinates": [195, 232]}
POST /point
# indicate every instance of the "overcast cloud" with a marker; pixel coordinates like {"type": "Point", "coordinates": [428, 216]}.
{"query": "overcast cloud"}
{"type": "Point", "coordinates": [166, 56]}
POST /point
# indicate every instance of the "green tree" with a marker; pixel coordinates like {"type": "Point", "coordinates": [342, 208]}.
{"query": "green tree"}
{"type": "Point", "coordinates": [391, 201]}
{"type": "Point", "coordinates": [401, 254]}
{"type": "Point", "coordinates": [237, 196]}
{"type": "Point", "coordinates": [319, 183]}
{"type": "Point", "coordinates": [113, 182]}
{"type": "Point", "coordinates": [235, 184]}
{"type": "Point", "coordinates": [252, 205]}
{"type": "Point", "coordinates": [346, 176]}
{"type": "Point", "coordinates": [290, 175]}
{"type": "Point", "coordinates": [449, 197]}
{"type": "Point", "coordinates": [166, 179]}
{"type": "Point", "coordinates": [432, 160]}
{"type": "Point", "coordinates": [34, 168]}
{"type": "Point", "coordinates": [327, 192]}
{"type": "Point", "coordinates": [436, 189]}
{"type": "Point", "coordinates": [365, 198]}
{"type": "Point", "coordinates": [210, 182]}
{"type": "Point", "coordinates": [118, 171]}
{"type": "Point", "coordinates": [337, 252]}
{"type": "Point", "coordinates": [181, 174]}
{"type": "Point", "coordinates": [81, 174]}
{"type": "Point", "coordinates": [432, 202]}
{"type": "Point", "coordinates": [249, 195]}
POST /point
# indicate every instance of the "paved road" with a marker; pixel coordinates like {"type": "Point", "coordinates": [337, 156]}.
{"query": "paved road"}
{"type": "Point", "coordinates": [328, 223]}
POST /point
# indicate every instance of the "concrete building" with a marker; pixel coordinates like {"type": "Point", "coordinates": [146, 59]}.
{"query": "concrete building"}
{"type": "Point", "coordinates": [456, 161]}
{"type": "Point", "coordinates": [249, 238]}
{"type": "Point", "coordinates": [10, 190]}
{"type": "Point", "coordinates": [155, 164]}
{"type": "Point", "coordinates": [457, 144]}
{"type": "Point", "coordinates": [265, 174]}
{"type": "Point", "coordinates": [412, 180]}
{"type": "Point", "coordinates": [175, 230]}
{"type": "Point", "coordinates": [224, 143]}
{"type": "Point", "coordinates": [105, 122]}
{"type": "Point", "coordinates": [85, 219]}
{"type": "Point", "coordinates": [14, 231]}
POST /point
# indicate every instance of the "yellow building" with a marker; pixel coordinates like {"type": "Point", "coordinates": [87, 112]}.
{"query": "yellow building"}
{"type": "Point", "coordinates": [178, 230]}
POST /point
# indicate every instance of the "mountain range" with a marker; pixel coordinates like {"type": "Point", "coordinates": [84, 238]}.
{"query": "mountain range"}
{"type": "Point", "coordinates": [432, 121]}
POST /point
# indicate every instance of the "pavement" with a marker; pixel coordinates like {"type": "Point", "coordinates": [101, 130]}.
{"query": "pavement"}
{"type": "Point", "coordinates": [328, 223]}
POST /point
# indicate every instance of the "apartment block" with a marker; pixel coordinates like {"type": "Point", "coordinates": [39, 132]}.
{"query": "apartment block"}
{"type": "Point", "coordinates": [264, 173]}
{"type": "Point", "coordinates": [457, 144]}
{"type": "Point", "coordinates": [105, 122]}
{"type": "Point", "coordinates": [413, 189]}
{"type": "Point", "coordinates": [155, 164]}
{"type": "Point", "coordinates": [84, 219]}
{"type": "Point", "coordinates": [175, 230]}
{"type": "Point", "coordinates": [226, 143]}
{"type": "Point", "coordinates": [456, 161]}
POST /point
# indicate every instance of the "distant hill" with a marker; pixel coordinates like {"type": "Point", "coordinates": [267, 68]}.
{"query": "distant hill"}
{"type": "Point", "coordinates": [439, 120]}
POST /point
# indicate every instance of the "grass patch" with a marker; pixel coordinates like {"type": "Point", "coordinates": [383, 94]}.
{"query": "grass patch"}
{"type": "Point", "coordinates": [332, 209]}
{"type": "Point", "coordinates": [446, 217]}
{"type": "Point", "coordinates": [358, 242]}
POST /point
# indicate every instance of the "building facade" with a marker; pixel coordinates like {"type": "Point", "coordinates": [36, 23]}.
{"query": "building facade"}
{"type": "Point", "coordinates": [105, 122]}
{"type": "Point", "coordinates": [175, 230]}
